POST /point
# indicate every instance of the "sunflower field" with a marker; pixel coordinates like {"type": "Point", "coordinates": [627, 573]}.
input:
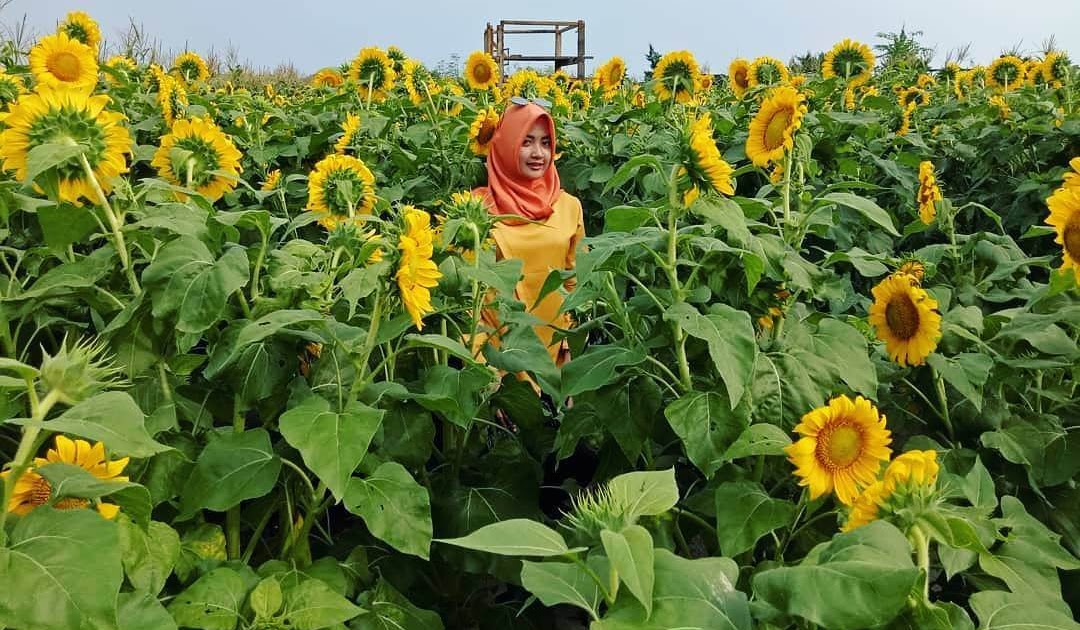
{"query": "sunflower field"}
{"type": "Point", "coordinates": [824, 335]}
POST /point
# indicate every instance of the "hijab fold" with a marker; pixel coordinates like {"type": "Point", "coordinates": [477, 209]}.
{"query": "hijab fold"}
{"type": "Point", "coordinates": [509, 192]}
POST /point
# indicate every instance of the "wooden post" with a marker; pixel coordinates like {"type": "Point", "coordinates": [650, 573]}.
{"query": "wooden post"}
{"type": "Point", "coordinates": [558, 48]}
{"type": "Point", "coordinates": [580, 49]}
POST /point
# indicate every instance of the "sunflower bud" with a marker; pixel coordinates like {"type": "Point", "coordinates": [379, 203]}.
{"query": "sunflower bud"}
{"type": "Point", "coordinates": [79, 371]}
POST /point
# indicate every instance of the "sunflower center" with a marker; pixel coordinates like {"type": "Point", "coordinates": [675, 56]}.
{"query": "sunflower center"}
{"type": "Point", "coordinates": [1072, 238]}
{"type": "Point", "coordinates": [741, 77]}
{"type": "Point", "coordinates": [774, 131]}
{"type": "Point", "coordinates": [482, 73]}
{"type": "Point", "coordinates": [902, 316]}
{"type": "Point", "coordinates": [487, 131]}
{"type": "Point", "coordinates": [839, 447]}
{"type": "Point", "coordinates": [64, 66]}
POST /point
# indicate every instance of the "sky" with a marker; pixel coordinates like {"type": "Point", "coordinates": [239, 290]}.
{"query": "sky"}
{"type": "Point", "coordinates": [316, 34]}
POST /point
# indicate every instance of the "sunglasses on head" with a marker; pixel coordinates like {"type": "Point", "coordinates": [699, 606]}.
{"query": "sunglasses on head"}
{"type": "Point", "coordinates": [520, 100]}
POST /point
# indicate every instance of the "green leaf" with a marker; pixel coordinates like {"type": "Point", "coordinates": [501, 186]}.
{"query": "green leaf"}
{"type": "Point", "coordinates": [213, 602]}
{"type": "Point", "coordinates": [696, 594]}
{"type": "Point", "coordinates": [200, 546]}
{"type": "Point", "coordinates": [515, 537]}
{"type": "Point", "coordinates": [649, 493]}
{"type": "Point", "coordinates": [843, 351]}
{"type": "Point", "coordinates": [730, 337]}
{"type": "Point", "coordinates": [998, 610]}
{"type": "Point", "coordinates": [626, 218]}
{"type": "Point", "coordinates": [758, 439]}
{"type": "Point", "coordinates": [745, 512]}
{"type": "Point", "coordinates": [1040, 444]}
{"type": "Point", "coordinates": [394, 507]}
{"type": "Point", "coordinates": [138, 610]}
{"type": "Point", "coordinates": [233, 467]}
{"type": "Point", "coordinates": [360, 283]}
{"type": "Point", "coordinates": [628, 410]}
{"type": "Point", "coordinates": [631, 553]}
{"type": "Point", "coordinates": [978, 486]}
{"type": "Point", "coordinates": [311, 605]}
{"type": "Point", "coordinates": [597, 367]}
{"type": "Point", "coordinates": [234, 342]}
{"type": "Point", "coordinates": [266, 598]}
{"type": "Point", "coordinates": [454, 393]}
{"type": "Point", "coordinates": [49, 155]}
{"type": "Point", "coordinates": [189, 282]}
{"type": "Point", "coordinates": [64, 224]}
{"type": "Point", "coordinates": [72, 277]}
{"type": "Point", "coordinates": [452, 347]}
{"type": "Point", "coordinates": [61, 569]}
{"type": "Point", "coordinates": [707, 426]}
{"type": "Point", "coordinates": [520, 350]}
{"type": "Point", "coordinates": [967, 372]}
{"type": "Point", "coordinates": [725, 213]}
{"type": "Point", "coordinates": [332, 444]}
{"type": "Point", "coordinates": [148, 556]}
{"type": "Point", "coordinates": [110, 417]}
{"type": "Point", "coordinates": [387, 609]}
{"type": "Point", "coordinates": [865, 207]}
{"type": "Point", "coordinates": [556, 583]}
{"type": "Point", "coordinates": [630, 168]}
{"type": "Point", "coordinates": [868, 569]}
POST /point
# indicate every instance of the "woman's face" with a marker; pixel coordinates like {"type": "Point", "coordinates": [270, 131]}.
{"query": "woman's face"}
{"type": "Point", "coordinates": [534, 155]}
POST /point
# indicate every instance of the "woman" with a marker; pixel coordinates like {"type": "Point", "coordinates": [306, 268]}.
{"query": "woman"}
{"type": "Point", "coordinates": [523, 181]}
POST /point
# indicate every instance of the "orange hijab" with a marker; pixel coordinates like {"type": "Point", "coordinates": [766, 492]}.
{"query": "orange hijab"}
{"type": "Point", "coordinates": [508, 191]}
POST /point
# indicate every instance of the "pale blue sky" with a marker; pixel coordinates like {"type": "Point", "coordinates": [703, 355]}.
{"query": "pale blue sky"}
{"type": "Point", "coordinates": [316, 34]}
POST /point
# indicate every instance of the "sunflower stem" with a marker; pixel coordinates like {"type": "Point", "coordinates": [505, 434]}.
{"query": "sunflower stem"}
{"type": "Point", "coordinates": [361, 361]}
{"type": "Point", "coordinates": [671, 267]}
{"type": "Point", "coordinates": [232, 516]}
{"type": "Point", "coordinates": [114, 223]}
{"type": "Point", "coordinates": [596, 578]}
{"type": "Point", "coordinates": [943, 401]}
{"type": "Point", "coordinates": [922, 549]}
{"type": "Point", "coordinates": [787, 192]}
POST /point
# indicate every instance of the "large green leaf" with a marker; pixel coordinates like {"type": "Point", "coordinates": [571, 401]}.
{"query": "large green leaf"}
{"type": "Point", "coordinates": [647, 492]}
{"type": "Point", "coordinates": [138, 610]}
{"type": "Point", "coordinates": [707, 426]}
{"type": "Point", "coordinates": [758, 439]}
{"type": "Point", "coordinates": [631, 554]}
{"type": "Point", "coordinates": [454, 393]}
{"type": "Point", "coordinates": [967, 372]}
{"type": "Point", "coordinates": [597, 367]}
{"type": "Point", "coordinates": [865, 207]}
{"type": "Point", "coordinates": [190, 282]}
{"type": "Point", "coordinates": [250, 332]}
{"type": "Point", "coordinates": [998, 610]}
{"type": "Point", "coordinates": [515, 537]}
{"type": "Point", "coordinates": [394, 507]}
{"type": "Point", "coordinates": [696, 594]}
{"type": "Point", "coordinates": [331, 443]}
{"type": "Point", "coordinates": [556, 583]}
{"type": "Point", "coordinates": [148, 556]}
{"type": "Point", "coordinates": [387, 609]}
{"type": "Point", "coordinates": [61, 569]}
{"type": "Point", "coordinates": [520, 350]}
{"type": "Point", "coordinates": [868, 569]}
{"type": "Point", "coordinates": [69, 480]}
{"type": "Point", "coordinates": [214, 602]}
{"type": "Point", "coordinates": [311, 605]}
{"type": "Point", "coordinates": [628, 410]}
{"type": "Point", "coordinates": [730, 337]}
{"type": "Point", "coordinates": [745, 512]}
{"type": "Point", "coordinates": [233, 467]}
{"type": "Point", "coordinates": [110, 417]}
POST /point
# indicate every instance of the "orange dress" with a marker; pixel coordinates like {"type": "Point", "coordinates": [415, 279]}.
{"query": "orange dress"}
{"type": "Point", "coordinates": [542, 247]}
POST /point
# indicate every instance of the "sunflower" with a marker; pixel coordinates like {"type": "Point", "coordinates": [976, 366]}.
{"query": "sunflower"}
{"type": "Point", "coordinates": [67, 116]}
{"type": "Point", "coordinates": [638, 99]}
{"type": "Point", "coordinates": [1002, 106]}
{"type": "Point", "coordinates": [121, 69]}
{"type": "Point", "coordinates": [929, 192]}
{"type": "Point", "coordinates": [950, 73]}
{"type": "Point", "coordinates": [905, 120]}
{"type": "Point", "coordinates": [213, 164]}
{"type": "Point", "coordinates": [706, 82]}
{"type": "Point", "coordinates": [340, 188]}
{"type": "Point", "coordinates": [739, 76]}
{"type": "Point", "coordinates": [609, 77]}
{"type": "Point", "coordinates": [33, 490]}
{"type": "Point", "coordinates": [849, 60]}
{"type": "Point", "coordinates": [912, 469]}
{"type": "Point", "coordinates": [60, 61]}
{"type": "Point", "coordinates": [1064, 217]}
{"type": "Point", "coordinates": [398, 56]}
{"type": "Point", "coordinates": [190, 67]}
{"type": "Point", "coordinates": [373, 72]}
{"type": "Point", "coordinates": [767, 71]}
{"type": "Point", "coordinates": [273, 180]}
{"type": "Point", "coordinates": [1006, 72]}
{"type": "Point", "coordinates": [482, 131]}
{"type": "Point", "coordinates": [842, 448]}
{"type": "Point", "coordinates": [580, 100]}
{"type": "Point", "coordinates": [913, 268]}
{"type": "Point", "coordinates": [913, 473]}
{"type": "Point", "coordinates": [705, 164]}
{"type": "Point", "coordinates": [11, 88]}
{"type": "Point", "coordinates": [772, 131]}
{"type": "Point", "coordinates": [1071, 179]}
{"type": "Point", "coordinates": [327, 77]}
{"type": "Point", "coordinates": [349, 129]}
{"type": "Point", "coordinates": [866, 507]}
{"type": "Point", "coordinates": [905, 317]}
{"type": "Point", "coordinates": [677, 76]}
{"type": "Point", "coordinates": [81, 27]}
{"type": "Point", "coordinates": [415, 76]}
{"type": "Point", "coordinates": [925, 81]}
{"type": "Point", "coordinates": [172, 98]}
{"type": "Point", "coordinates": [451, 106]}
{"type": "Point", "coordinates": [528, 84]}
{"type": "Point", "coordinates": [913, 96]}
{"type": "Point", "coordinates": [481, 71]}
{"type": "Point", "coordinates": [1055, 68]}
{"type": "Point", "coordinates": [417, 274]}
